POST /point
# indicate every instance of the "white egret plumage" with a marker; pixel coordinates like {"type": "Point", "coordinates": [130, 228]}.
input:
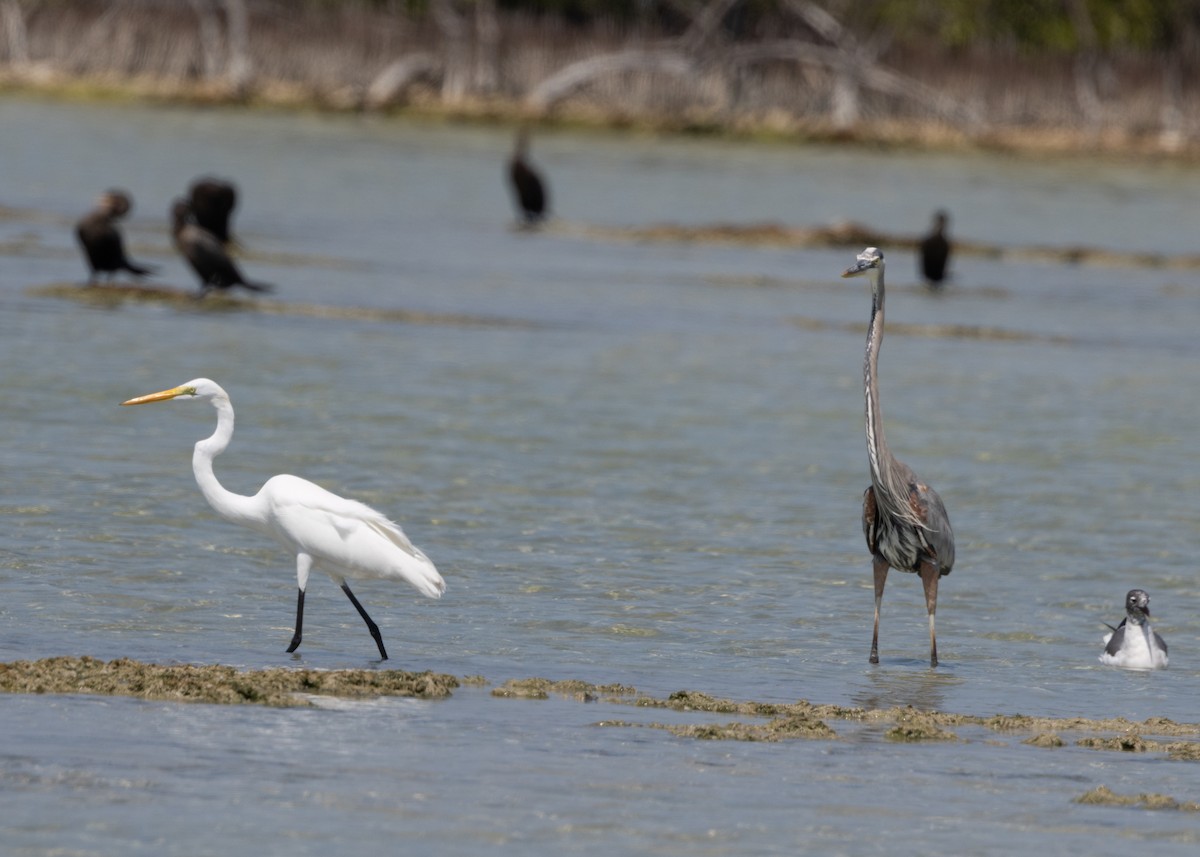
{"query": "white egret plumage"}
{"type": "Point", "coordinates": [343, 538]}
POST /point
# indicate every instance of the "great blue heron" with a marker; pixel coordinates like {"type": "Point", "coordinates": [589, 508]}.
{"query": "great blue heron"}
{"type": "Point", "coordinates": [212, 201]}
{"type": "Point", "coordinates": [903, 519]}
{"type": "Point", "coordinates": [935, 251]}
{"type": "Point", "coordinates": [101, 239]}
{"type": "Point", "coordinates": [1133, 644]}
{"type": "Point", "coordinates": [528, 188]}
{"type": "Point", "coordinates": [206, 254]}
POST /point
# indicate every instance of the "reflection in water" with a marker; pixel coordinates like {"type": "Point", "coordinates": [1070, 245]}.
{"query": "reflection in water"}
{"type": "Point", "coordinates": [921, 688]}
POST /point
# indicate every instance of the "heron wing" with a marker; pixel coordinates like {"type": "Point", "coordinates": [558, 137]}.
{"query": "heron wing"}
{"type": "Point", "coordinates": [937, 534]}
{"type": "Point", "coordinates": [346, 537]}
{"type": "Point", "coordinates": [870, 520]}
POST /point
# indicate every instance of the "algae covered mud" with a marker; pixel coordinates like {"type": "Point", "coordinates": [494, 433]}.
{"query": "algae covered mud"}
{"type": "Point", "coordinates": [283, 687]}
{"type": "Point", "coordinates": [633, 461]}
{"type": "Point", "coordinates": [756, 721]}
{"type": "Point", "coordinates": [213, 684]}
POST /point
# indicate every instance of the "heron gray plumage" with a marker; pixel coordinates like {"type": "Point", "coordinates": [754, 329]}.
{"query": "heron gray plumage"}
{"type": "Point", "coordinates": [1133, 643]}
{"type": "Point", "coordinates": [903, 519]}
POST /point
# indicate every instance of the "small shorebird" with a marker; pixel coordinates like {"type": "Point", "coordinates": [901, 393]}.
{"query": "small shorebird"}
{"type": "Point", "coordinates": [1133, 644]}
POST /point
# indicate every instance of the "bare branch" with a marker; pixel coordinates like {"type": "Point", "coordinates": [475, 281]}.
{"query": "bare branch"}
{"type": "Point", "coordinates": [14, 28]}
{"type": "Point", "coordinates": [210, 37]}
{"type": "Point", "coordinates": [389, 84]}
{"type": "Point", "coordinates": [822, 23]}
{"type": "Point", "coordinates": [240, 69]}
{"type": "Point", "coordinates": [457, 72]}
{"type": "Point", "coordinates": [705, 24]}
{"type": "Point", "coordinates": [560, 84]}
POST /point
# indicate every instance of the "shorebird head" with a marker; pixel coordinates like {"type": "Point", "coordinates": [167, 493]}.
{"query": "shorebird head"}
{"type": "Point", "coordinates": [1137, 606]}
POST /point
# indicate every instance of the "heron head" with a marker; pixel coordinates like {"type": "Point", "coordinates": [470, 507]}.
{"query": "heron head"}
{"type": "Point", "coordinates": [1137, 606]}
{"type": "Point", "coordinates": [868, 260]}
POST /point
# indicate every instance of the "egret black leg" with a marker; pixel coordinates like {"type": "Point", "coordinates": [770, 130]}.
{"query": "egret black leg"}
{"type": "Point", "coordinates": [299, 621]}
{"type": "Point", "coordinates": [371, 626]}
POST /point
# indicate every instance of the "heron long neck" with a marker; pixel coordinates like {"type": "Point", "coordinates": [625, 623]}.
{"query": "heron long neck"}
{"type": "Point", "coordinates": [887, 476]}
{"type": "Point", "coordinates": [232, 507]}
{"type": "Point", "coordinates": [876, 445]}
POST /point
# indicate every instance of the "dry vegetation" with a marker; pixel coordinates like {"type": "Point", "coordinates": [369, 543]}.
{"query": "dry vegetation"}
{"type": "Point", "coordinates": [783, 67]}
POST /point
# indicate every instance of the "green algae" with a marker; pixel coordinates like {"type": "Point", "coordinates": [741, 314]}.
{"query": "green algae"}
{"type": "Point", "coordinates": [779, 729]}
{"type": "Point", "coordinates": [1045, 739]}
{"type": "Point", "coordinates": [757, 721]}
{"type": "Point", "coordinates": [214, 683]}
{"type": "Point", "coordinates": [1122, 743]}
{"type": "Point", "coordinates": [541, 688]}
{"type": "Point", "coordinates": [1103, 796]}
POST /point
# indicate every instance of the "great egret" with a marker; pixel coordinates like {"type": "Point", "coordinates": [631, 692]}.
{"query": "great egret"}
{"type": "Point", "coordinates": [343, 538]}
{"type": "Point", "coordinates": [527, 185]}
{"type": "Point", "coordinates": [903, 519]}
{"type": "Point", "coordinates": [1133, 644]}
{"type": "Point", "coordinates": [206, 254]}
{"type": "Point", "coordinates": [212, 201]}
{"type": "Point", "coordinates": [101, 239]}
{"type": "Point", "coordinates": [935, 251]}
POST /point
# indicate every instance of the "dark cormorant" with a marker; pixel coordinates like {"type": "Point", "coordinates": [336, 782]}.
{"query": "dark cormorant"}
{"type": "Point", "coordinates": [212, 201]}
{"type": "Point", "coordinates": [205, 253]}
{"type": "Point", "coordinates": [935, 251]}
{"type": "Point", "coordinates": [101, 240]}
{"type": "Point", "coordinates": [528, 187]}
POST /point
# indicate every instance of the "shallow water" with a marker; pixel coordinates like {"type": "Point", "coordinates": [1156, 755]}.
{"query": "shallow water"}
{"type": "Point", "coordinates": [640, 463]}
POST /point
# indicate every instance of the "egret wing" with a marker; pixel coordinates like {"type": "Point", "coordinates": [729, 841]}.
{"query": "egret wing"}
{"type": "Point", "coordinates": [346, 537]}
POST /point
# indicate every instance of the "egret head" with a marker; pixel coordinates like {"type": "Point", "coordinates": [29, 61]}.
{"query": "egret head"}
{"type": "Point", "coordinates": [200, 388]}
{"type": "Point", "coordinates": [1137, 606]}
{"type": "Point", "coordinates": [868, 261]}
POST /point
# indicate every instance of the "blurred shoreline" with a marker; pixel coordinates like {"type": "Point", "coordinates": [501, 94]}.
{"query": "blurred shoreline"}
{"type": "Point", "coordinates": [801, 79]}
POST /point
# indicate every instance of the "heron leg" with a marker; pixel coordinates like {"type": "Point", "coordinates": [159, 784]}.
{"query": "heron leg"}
{"type": "Point", "coordinates": [299, 621]}
{"type": "Point", "coordinates": [930, 574]}
{"type": "Point", "coordinates": [881, 570]}
{"type": "Point", "coordinates": [371, 626]}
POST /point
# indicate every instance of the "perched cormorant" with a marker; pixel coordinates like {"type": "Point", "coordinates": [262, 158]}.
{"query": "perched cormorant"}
{"type": "Point", "coordinates": [101, 240]}
{"type": "Point", "coordinates": [212, 201]}
{"type": "Point", "coordinates": [205, 253]}
{"type": "Point", "coordinates": [1133, 644]}
{"type": "Point", "coordinates": [935, 251]}
{"type": "Point", "coordinates": [528, 188]}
